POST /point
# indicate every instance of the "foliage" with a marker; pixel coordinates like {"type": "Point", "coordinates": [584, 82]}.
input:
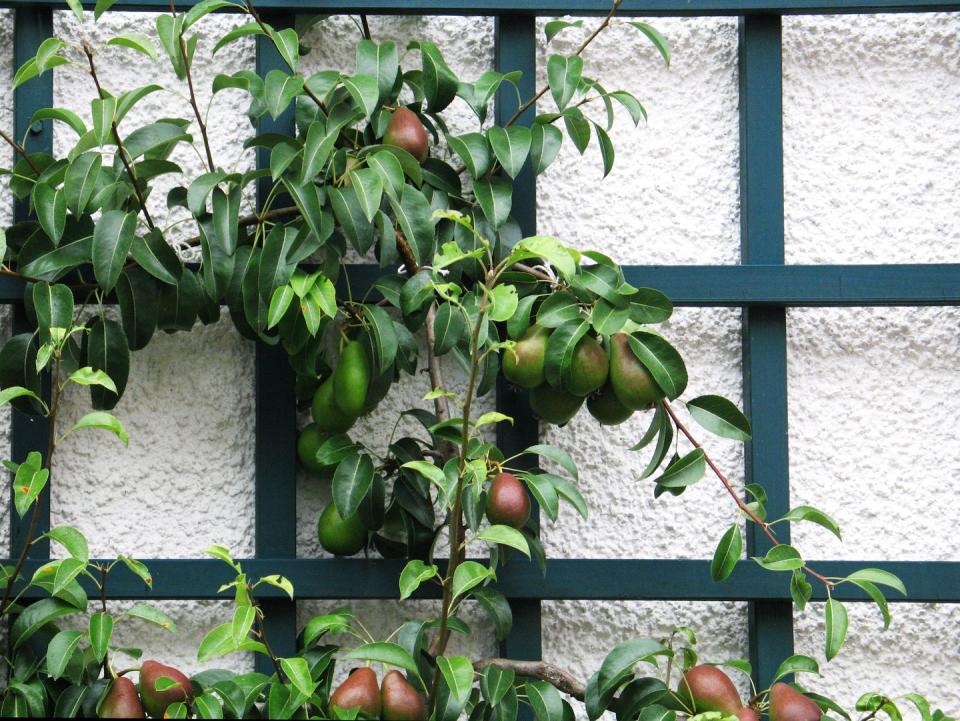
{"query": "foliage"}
{"type": "Point", "coordinates": [456, 270]}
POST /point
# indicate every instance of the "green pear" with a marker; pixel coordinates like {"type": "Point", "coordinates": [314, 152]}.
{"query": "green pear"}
{"type": "Point", "coordinates": [635, 387]}
{"type": "Point", "coordinates": [308, 443]}
{"type": "Point", "coordinates": [339, 536]}
{"type": "Point", "coordinates": [788, 704]}
{"type": "Point", "coordinates": [508, 503]}
{"type": "Point", "coordinates": [707, 688]}
{"type": "Point", "coordinates": [406, 131]}
{"type": "Point", "coordinates": [156, 702]}
{"type": "Point", "coordinates": [588, 368]}
{"type": "Point", "coordinates": [326, 413]}
{"type": "Point", "coordinates": [121, 701]}
{"type": "Point", "coordinates": [607, 408]}
{"type": "Point", "coordinates": [351, 379]}
{"type": "Point", "coordinates": [358, 691]}
{"type": "Point", "coordinates": [554, 405]}
{"type": "Point", "coordinates": [401, 701]}
{"type": "Point", "coordinates": [523, 364]}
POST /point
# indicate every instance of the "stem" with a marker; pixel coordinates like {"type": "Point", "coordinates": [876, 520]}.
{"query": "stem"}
{"type": "Point", "coordinates": [366, 27]}
{"type": "Point", "coordinates": [193, 95]}
{"type": "Point", "coordinates": [21, 150]}
{"type": "Point", "coordinates": [560, 679]}
{"type": "Point", "coordinates": [121, 151]}
{"type": "Point", "coordinates": [764, 526]}
{"type": "Point", "coordinates": [107, 669]}
{"type": "Point", "coordinates": [262, 633]}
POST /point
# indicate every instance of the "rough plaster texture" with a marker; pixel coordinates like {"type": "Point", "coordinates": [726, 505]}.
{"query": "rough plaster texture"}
{"type": "Point", "coordinates": [672, 198]}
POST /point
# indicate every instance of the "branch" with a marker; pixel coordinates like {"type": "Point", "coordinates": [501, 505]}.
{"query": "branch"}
{"type": "Point", "coordinates": [21, 150]}
{"type": "Point", "coordinates": [193, 95]}
{"type": "Point", "coordinates": [562, 680]}
{"type": "Point", "coordinates": [764, 526]}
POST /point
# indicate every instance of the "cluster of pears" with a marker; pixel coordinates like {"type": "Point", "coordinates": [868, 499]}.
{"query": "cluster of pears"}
{"type": "Point", "coordinates": [393, 700]}
{"type": "Point", "coordinates": [608, 376]}
{"type": "Point", "coordinates": [337, 403]}
{"type": "Point", "coordinates": [706, 688]}
{"type": "Point", "coordinates": [123, 701]}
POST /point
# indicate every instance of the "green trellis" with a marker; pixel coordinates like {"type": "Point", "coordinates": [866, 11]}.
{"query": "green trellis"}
{"type": "Point", "coordinates": [762, 285]}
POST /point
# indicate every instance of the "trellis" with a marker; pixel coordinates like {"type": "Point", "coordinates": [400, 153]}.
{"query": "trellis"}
{"type": "Point", "coordinates": [761, 284]}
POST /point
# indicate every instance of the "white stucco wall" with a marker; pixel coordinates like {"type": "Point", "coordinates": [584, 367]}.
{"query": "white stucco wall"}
{"type": "Point", "coordinates": [870, 160]}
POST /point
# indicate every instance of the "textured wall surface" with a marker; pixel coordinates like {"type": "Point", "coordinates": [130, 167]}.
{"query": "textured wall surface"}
{"type": "Point", "coordinates": [871, 158]}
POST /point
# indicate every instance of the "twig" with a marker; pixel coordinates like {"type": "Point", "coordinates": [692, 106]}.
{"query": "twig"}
{"type": "Point", "coordinates": [366, 27]}
{"type": "Point", "coordinates": [562, 680]}
{"type": "Point", "coordinates": [21, 150]}
{"type": "Point", "coordinates": [764, 526]}
{"type": "Point", "coordinates": [193, 95]}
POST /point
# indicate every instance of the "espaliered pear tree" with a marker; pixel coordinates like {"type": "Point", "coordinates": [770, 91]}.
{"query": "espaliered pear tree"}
{"type": "Point", "coordinates": [371, 168]}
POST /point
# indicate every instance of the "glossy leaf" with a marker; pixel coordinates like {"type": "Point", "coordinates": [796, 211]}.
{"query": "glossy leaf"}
{"type": "Point", "coordinates": [835, 618]}
{"type": "Point", "coordinates": [112, 241]}
{"type": "Point", "coordinates": [727, 554]}
{"type": "Point", "coordinates": [510, 146]}
{"type": "Point", "coordinates": [351, 482]}
{"type": "Point", "coordinates": [563, 76]}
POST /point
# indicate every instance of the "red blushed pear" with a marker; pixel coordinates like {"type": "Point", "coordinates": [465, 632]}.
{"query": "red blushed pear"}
{"type": "Point", "coordinates": [707, 688]}
{"type": "Point", "coordinates": [407, 132]}
{"type": "Point", "coordinates": [359, 691]}
{"type": "Point", "coordinates": [508, 503]}
{"type": "Point", "coordinates": [155, 701]}
{"type": "Point", "coordinates": [121, 701]}
{"type": "Point", "coordinates": [788, 704]}
{"type": "Point", "coordinates": [401, 701]}
{"type": "Point", "coordinates": [747, 713]}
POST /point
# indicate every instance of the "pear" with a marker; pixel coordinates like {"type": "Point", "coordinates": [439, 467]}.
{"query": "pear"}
{"type": "Point", "coordinates": [308, 443]}
{"type": "Point", "coordinates": [407, 132]}
{"type": "Point", "coordinates": [156, 702]}
{"type": "Point", "coordinates": [747, 713]}
{"type": "Point", "coordinates": [351, 379]}
{"type": "Point", "coordinates": [635, 387]}
{"type": "Point", "coordinates": [788, 704]}
{"type": "Point", "coordinates": [340, 536]}
{"type": "Point", "coordinates": [326, 413]}
{"type": "Point", "coordinates": [358, 691]}
{"type": "Point", "coordinates": [401, 701]}
{"type": "Point", "coordinates": [523, 364]}
{"type": "Point", "coordinates": [707, 688]}
{"type": "Point", "coordinates": [508, 503]}
{"type": "Point", "coordinates": [607, 408]}
{"type": "Point", "coordinates": [121, 701]}
{"type": "Point", "coordinates": [588, 368]}
{"type": "Point", "coordinates": [554, 405]}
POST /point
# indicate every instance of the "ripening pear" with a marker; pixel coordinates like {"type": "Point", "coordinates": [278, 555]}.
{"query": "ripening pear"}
{"type": "Point", "coordinates": [340, 536]}
{"type": "Point", "coordinates": [407, 132]}
{"type": "Point", "coordinates": [788, 704]}
{"type": "Point", "coordinates": [707, 688]}
{"type": "Point", "coordinates": [508, 503]}
{"type": "Point", "coordinates": [401, 701]}
{"type": "Point", "coordinates": [554, 405]}
{"type": "Point", "coordinates": [326, 413]}
{"type": "Point", "coordinates": [359, 691]}
{"type": "Point", "coordinates": [635, 387]}
{"type": "Point", "coordinates": [588, 368]}
{"type": "Point", "coordinates": [747, 713]}
{"type": "Point", "coordinates": [156, 702]}
{"type": "Point", "coordinates": [607, 408]}
{"type": "Point", "coordinates": [351, 379]}
{"type": "Point", "coordinates": [121, 700]}
{"type": "Point", "coordinates": [523, 364]}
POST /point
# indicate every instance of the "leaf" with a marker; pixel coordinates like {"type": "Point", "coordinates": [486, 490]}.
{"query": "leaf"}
{"type": "Point", "coordinates": [457, 671]}
{"type": "Point", "coordinates": [72, 540]}
{"type": "Point", "coordinates": [796, 664]}
{"type": "Point", "coordinates": [557, 455]}
{"type": "Point", "coordinates": [552, 28]}
{"type": "Point", "coordinates": [51, 208]}
{"type": "Point", "coordinates": [381, 62]}
{"type": "Point", "coordinates": [835, 617]}
{"type": "Point", "coordinates": [506, 536]}
{"type": "Point", "coordinates": [138, 298]}
{"type": "Point", "coordinates": [720, 416]}
{"type": "Point", "coordinates": [619, 663]}
{"type": "Point", "coordinates": [386, 653]}
{"type": "Point", "coordinates": [351, 482]}
{"type": "Point", "coordinates": [364, 91]}
{"type": "Point", "coordinates": [53, 307]}
{"type": "Point", "coordinates": [511, 146]}
{"type": "Point", "coordinates": [473, 151]}
{"type": "Point", "coordinates": [607, 152]}
{"type": "Point", "coordinates": [243, 618]}
{"type": "Point", "coordinates": [138, 568]}
{"type": "Point", "coordinates": [59, 652]}
{"type": "Point", "coordinates": [558, 357]}
{"type": "Point", "coordinates": [298, 671]}
{"type": "Point", "coordinates": [154, 138]}
{"type": "Point", "coordinates": [241, 31]}
{"type": "Point", "coordinates": [503, 302]}
{"type": "Point", "coordinates": [101, 630]}
{"type": "Point", "coordinates": [685, 471]}
{"type": "Point", "coordinates": [809, 513]}
{"type": "Point", "coordinates": [578, 128]}
{"type": "Point", "coordinates": [112, 241]}
{"type": "Point", "coordinates": [545, 493]}
{"type": "Point", "coordinates": [781, 558]}
{"type": "Point", "coordinates": [102, 111]}
{"type": "Point", "coordinates": [497, 608]}
{"type": "Point", "coordinates": [439, 82]}
{"type": "Point", "coordinates": [659, 42]}
{"type": "Point", "coordinates": [369, 189]}
{"type": "Point", "coordinates": [279, 303]}
{"type": "Point", "coordinates": [563, 76]}
{"type": "Point", "coordinates": [878, 576]}
{"type": "Point", "coordinates": [28, 483]}
{"type": "Point", "coordinates": [155, 256]}
{"type": "Point", "coordinates": [136, 41]}
{"type": "Point", "coordinates": [288, 45]}
{"type": "Point", "coordinates": [545, 142]}
{"type": "Point", "coordinates": [391, 172]}
{"type": "Point", "coordinates": [383, 336]}
{"type": "Point", "coordinates": [148, 613]}
{"type": "Point", "coordinates": [662, 360]}
{"type": "Point", "coordinates": [449, 328]}
{"type": "Point", "coordinates": [316, 149]}
{"type": "Point", "coordinates": [279, 90]}
{"type": "Point", "coordinates": [415, 217]}
{"type": "Point", "coordinates": [318, 626]}
{"type": "Point", "coordinates": [414, 574]}
{"type": "Point", "coordinates": [278, 581]}
{"type": "Point", "coordinates": [544, 700]}
{"type": "Point", "coordinates": [800, 589]}
{"type": "Point", "coordinates": [80, 181]}
{"type": "Point", "coordinates": [226, 217]}
{"type": "Point", "coordinates": [36, 616]}
{"type": "Point", "coordinates": [104, 421]}
{"type": "Point", "coordinates": [495, 196]}
{"type": "Point", "coordinates": [559, 308]}
{"type": "Point", "coordinates": [469, 575]}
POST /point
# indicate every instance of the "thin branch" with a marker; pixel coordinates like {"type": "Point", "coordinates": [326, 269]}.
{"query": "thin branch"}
{"type": "Point", "coordinates": [366, 27]}
{"type": "Point", "coordinates": [193, 95]}
{"type": "Point", "coordinates": [440, 404]}
{"type": "Point", "coordinates": [764, 526]}
{"type": "Point", "coordinates": [562, 680]}
{"type": "Point", "coordinates": [21, 150]}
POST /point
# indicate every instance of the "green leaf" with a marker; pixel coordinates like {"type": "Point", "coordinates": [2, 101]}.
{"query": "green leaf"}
{"type": "Point", "coordinates": [104, 421]}
{"type": "Point", "coordinates": [112, 241]}
{"type": "Point", "coordinates": [506, 536]}
{"type": "Point", "coordinates": [243, 618]}
{"type": "Point", "coordinates": [457, 671]}
{"type": "Point", "coordinates": [497, 608]}
{"type": "Point", "coordinates": [439, 82]}
{"type": "Point", "coordinates": [809, 513]}
{"type": "Point", "coordinates": [138, 298]}
{"type": "Point", "coordinates": [298, 671]}
{"type": "Point", "coordinates": [415, 218]}
{"type": "Point", "coordinates": [800, 589]}
{"type": "Point", "coordinates": [60, 650]}
{"type": "Point", "coordinates": [391, 172]}
{"type": "Point", "coordinates": [279, 303]}
{"type": "Point", "coordinates": [72, 540]}
{"type": "Point", "coordinates": [685, 471]}
{"type": "Point", "coordinates": [578, 128]}
{"type": "Point", "coordinates": [208, 706]}
{"type": "Point", "coordinates": [607, 152]}
{"type": "Point", "coordinates": [720, 416]}
{"type": "Point", "coordinates": [550, 249]}
{"type": "Point", "coordinates": [241, 31]}
{"type": "Point", "coordinates": [350, 216]}
{"type": "Point", "coordinates": [156, 137]}
{"type": "Point", "coordinates": [545, 493]}
{"type": "Point", "coordinates": [28, 482]}
{"type": "Point", "coordinates": [495, 196]}
{"type": "Point", "coordinates": [318, 626]}
{"type": "Point", "coordinates": [727, 555]}
{"type": "Point", "coordinates": [279, 90]}
{"type": "Point", "coordinates": [558, 357]}
{"type": "Point", "coordinates": [495, 683]}
{"type": "Point", "coordinates": [545, 142]}
{"type": "Point", "coordinates": [557, 455]}
{"type": "Point", "coordinates": [383, 335]}
{"type": "Point", "coordinates": [413, 574]}
{"type": "Point", "coordinates": [351, 482]}
{"type": "Point", "coordinates": [781, 558]}
{"type": "Point", "coordinates": [102, 111]}
{"type": "Point", "coordinates": [796, 664]}
{"type": "Point", "coordinates": [387, 653]}
{"type": "Point", "coordinates": [101, 630]}
{"type": "Point", "coordinates": [226, 217]}
{"type": "Point", "coordinates": [835, 617]}
{"type": "Point", "coordinates": [878, 576]}
{"type": "Point", "coordinates": [51, 208]}
{"type": "Point", "coordinates": [136, 41]}
{"type": "Point", "coordinates": [36, 616]}
{"type": "Point", "coordinates": [659, 42]}
{"type": "Point", "coordinates": [80, 181]}
{"type": "Point", "coordinates": [503, 302]}
{"type": "Point", "coordinates": [469, 575]}
{"type": "Point", "coordinates": [59, 260]}
{"type": "Point", "coordinates": [14, 392]}
{"type": "Point", "coordinates": [364, 91]}
{"type": "Point", "coordinates": [473, 151]}
{"type": "Point", "coordinates": [316, 149]}
{"type": "Point", "coordinates": [545, 701]}
{"type": "Point", "coordinates": [449, 328]}
{"type": "Point", "coordinates": [662, 360]}
{"type": "Point", "coordinates": [288, 45]}
{"type": "Point", "coordinates": [53, 307]}
{"type": "Point", "coordinates": [369, 189]}
{"type": "Point", "coordinates": [619, 663]}
{"type": "Point", "coordinates": [559, 308]}
{"type": "Point", "coordinates": [381, 62]}
{"type": "Point", "coordinates": [155, 256]}
{"type": "Point", "coordinates": [148, 613]}
{"type": "Point", "coordinates": [563, 76]}
{"type": "Point", "coordinates": [138, 568]}
{"type": "Point", "coordinates": [555, 26]}
{"type": "Point", "coordinates": [278, 581]}
{"type": "Point", "coordinates": [510, 146]}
